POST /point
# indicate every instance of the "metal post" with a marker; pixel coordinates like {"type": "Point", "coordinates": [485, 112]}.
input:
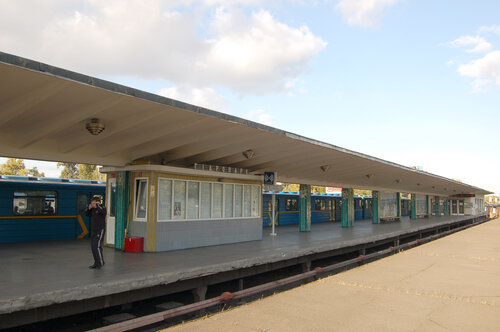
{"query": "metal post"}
{"type": "Point", "coordinates": [273, 215]}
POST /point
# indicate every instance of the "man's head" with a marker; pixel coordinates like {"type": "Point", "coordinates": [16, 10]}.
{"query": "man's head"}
{"type": "Point", "coordinates": [95, 200]}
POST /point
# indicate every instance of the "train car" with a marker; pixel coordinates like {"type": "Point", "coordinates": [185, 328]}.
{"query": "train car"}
{"type": "Point", "coordinates": [39, 209]}
{"type": "Point", "coordinates": [324, 208]}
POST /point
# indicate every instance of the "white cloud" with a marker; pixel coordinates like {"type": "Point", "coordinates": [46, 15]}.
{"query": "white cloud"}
{"type": "Point", "coordinates": [484, 70]}
{"type": "Point", "coordinates": [258, 115]}
{"type": "Point", "coordinates": [479, 43]}
{"type": "Point", "coordinates": [365, 13]}
{"type": "Point", "coordinates": [204, 97]}
{"type": "Point", "coordinates": [492, 28]}
{"type": "Point", "coordinates": [188, 43]}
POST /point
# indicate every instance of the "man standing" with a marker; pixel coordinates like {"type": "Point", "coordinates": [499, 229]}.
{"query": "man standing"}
{"type": "Point", "coordinates": [97, 215]}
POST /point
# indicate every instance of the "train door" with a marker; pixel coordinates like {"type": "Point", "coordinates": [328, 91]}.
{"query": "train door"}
{"type": "Point", "coordinates": [331, 209]}
{"type": "Point", "coordinates": [82, 202]}
{"type": "Point", "coordinates": [111, 209]}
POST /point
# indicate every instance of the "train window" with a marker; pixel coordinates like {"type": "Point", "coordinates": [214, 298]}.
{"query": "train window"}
{"type": "Point", "coordinates": [141, 198]}
{"type": "Point", "coordinates": [292, 204]}
{"type": "Point", "coordinates": [82, 202]}
{"type": "Point", "coordinates": [320, 204]}
{"type": "Point", "coordinates": [35, 203]}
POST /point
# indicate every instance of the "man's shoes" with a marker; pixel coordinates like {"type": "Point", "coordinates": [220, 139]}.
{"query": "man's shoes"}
{"type": "Point", "coordinates": [94, 267]}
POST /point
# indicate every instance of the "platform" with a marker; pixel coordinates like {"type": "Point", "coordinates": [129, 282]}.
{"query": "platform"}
{"type": "Point", "coordinates": [450, 284]}
{"type": "Point", "coordinates": [46, 279]}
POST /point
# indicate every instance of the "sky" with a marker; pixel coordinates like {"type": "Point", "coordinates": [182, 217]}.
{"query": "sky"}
{"type": "Point", "coordinates": [416, 82]}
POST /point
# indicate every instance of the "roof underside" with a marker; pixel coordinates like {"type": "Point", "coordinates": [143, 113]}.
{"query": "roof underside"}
{"type": "Point", "coordinates": [43, 112]}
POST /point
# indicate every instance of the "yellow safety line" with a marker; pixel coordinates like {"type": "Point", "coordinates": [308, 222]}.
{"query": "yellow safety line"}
{"type": "Point", "coordinates": [85, 231]}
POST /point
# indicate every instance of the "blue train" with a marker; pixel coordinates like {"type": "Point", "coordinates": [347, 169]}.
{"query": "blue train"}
{"type": "Point", "coordinates": [36, 209]}
{"type": "Point", "coordinates": [324, 207]}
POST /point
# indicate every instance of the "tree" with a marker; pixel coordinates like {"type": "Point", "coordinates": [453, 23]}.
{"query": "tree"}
{"type": "Point", "coordinates": [79, 171]}
{"type": "Point", "coordinates": [15, 166]}
{"type": "Point", "coordinates": [70, 170]}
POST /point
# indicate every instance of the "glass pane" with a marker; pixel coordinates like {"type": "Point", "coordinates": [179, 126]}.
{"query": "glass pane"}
{"type": "Point", "coordinates": [35, 203]}
{"type": "Point", "coordinates": [165, 200]}
{"type": "Point", "coordinates": [238, 198]}
{"type": "Point", "coordinates": [388, 205]}
{"type": "Point", "coordinates": [141, 198]}
{"type": "Point", "coordinates": [454, 207]}
{"type": "Point", "coordinates": [228, 201]}
{"type": "Point", "coordinates": [256, 195]}
{"type": "Point", "coordinates": [247, 196]}
{"type": "Point", "coordinates": [179, 199]}
{"type": "Point", "coordinates": [421, 204]}
{"type": "Point", "coordinates": [193, 200]}
{"type": "Point", "coordinates": [112, 199]}
{"type": "Point", "coordinates": [461, 207]}
{"type": "Point", "coordinates": [206, 198]}
{"type": "Point", "coordinates": [217, 207]}
{"type": "Point", "coordinates": [82, 203]}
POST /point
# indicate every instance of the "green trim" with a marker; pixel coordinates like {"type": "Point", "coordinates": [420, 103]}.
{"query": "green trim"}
{"type": "Point", "coordinates": [398, 204]}
{"type": "Point", "coordinates": [427, 205]}
{"type": "Point", "coordinates": [446, 210]}
{"type": "Point", "coordinates": [375, 207]}
{"type": "Point", "coordinates": [436, 206]}
{"type": "Point", "coordinates": [305, 208]}
{"type": "Point", "coordinates": [413, 214]}
{"type": "Point", "coordinates": [347, 207]}
{"type": "Point", "coordinates": [121, 203]}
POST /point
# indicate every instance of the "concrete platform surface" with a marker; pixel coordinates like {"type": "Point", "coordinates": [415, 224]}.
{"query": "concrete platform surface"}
{"type": "Point", "coordinates": [38, 274]}
{"type": "Point", "coordinates": [451, 284]}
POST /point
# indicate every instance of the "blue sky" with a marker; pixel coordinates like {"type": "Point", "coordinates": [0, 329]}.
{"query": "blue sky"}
{"type": "Point", "coordinates": [413, 82]}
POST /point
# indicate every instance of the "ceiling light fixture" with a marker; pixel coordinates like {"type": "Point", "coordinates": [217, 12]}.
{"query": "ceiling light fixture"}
{"type": "Point", "coordinates": [95, 127]}
{"type": "Point", "coordinates": [325, 168]}
{"type": "Point", "coordinates": [249, 154]}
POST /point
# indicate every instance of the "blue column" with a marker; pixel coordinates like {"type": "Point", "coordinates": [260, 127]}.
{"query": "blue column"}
{"type": "Point", "coordinates": [305, 208]}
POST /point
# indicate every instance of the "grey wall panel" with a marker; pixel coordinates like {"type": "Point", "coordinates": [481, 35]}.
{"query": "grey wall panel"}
{"type": "Point", "coordinates": [174, 235]}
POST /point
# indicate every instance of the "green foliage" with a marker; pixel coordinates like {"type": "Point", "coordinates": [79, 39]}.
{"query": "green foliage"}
{"type": "Point", "coordinates": [80, 171]}
{"type": "Point", "coordinates": [15, 166]}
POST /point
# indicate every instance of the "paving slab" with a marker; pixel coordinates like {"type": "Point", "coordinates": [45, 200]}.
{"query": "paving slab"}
{"type": "Point", "coordinates": [38, 274]}
{"type": "Point", "coordinates": [450, 284]}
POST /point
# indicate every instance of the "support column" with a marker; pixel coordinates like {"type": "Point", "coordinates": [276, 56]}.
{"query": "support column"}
{"type": "Point", "coordinates": [347, 207]}
{"type": "Point", "coordinates": [436, 207]}
{"type": "Point", "coordinates": [375, 207]}
{"type": "Point", "coordinates": [427, 206]}
{"type": "Point", "coordinates": [121, 203]}
{"type": "Point", "coordinates": [413, 214]}
{"type": "Point", "coordinates": [398, 204]}
{"type": "Point", "coordinates": [446, 211]}
{"type": "Point", "coordinates": [305, 208]}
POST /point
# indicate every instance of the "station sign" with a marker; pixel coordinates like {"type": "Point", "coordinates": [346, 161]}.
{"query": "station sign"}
{"type": "Point", "coordinates": [270, 178]}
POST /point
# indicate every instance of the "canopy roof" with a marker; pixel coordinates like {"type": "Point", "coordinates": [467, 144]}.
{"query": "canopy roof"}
{"type": "Point", "coordinates": [44, 111]}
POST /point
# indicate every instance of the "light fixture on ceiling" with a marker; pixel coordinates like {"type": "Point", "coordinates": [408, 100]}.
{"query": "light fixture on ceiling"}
{"type": "Point", "coordinates": [325, 168]}
{"type": "Point", "coordinates": [94, 126]}
{"type": "Point", "coordinates": [368, 176]}
{"type": "Point", "coordinates": [397, 180]}
{"type": "Point", "coordinates": [249, 154]}
{"type": "Point", "coordinates": [418, 184]}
